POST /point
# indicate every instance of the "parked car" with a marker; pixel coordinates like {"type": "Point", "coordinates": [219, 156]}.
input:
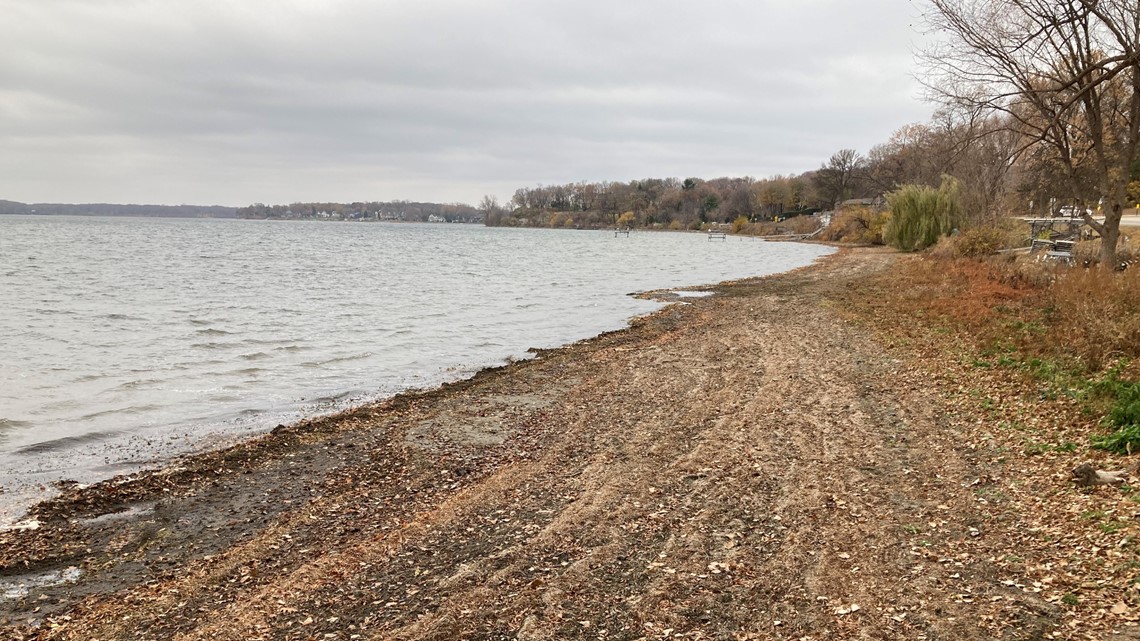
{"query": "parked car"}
{"type": "Point", "coordinates": [1072, 211]}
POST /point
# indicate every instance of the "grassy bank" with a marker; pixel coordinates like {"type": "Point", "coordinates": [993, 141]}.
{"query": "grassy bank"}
{"type": "Point", "coordinates": [1039, 365]}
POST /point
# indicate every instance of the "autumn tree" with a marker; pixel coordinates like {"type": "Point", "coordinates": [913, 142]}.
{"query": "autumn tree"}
{"type": "Point", "coordinates": [1065, 75]}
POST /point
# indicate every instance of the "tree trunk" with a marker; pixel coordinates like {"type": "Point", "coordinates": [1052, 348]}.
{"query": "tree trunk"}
{"type": "Point", "coordinates": [1110, 236]}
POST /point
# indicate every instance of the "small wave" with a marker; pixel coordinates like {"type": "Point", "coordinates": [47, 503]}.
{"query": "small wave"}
{"type": "Point", "coordinates": [64, 404]}
{"type": "Point", "coordinates": [133, 409]}
{"type": "Point", "coordinates": [353, 357]}
{"type": "Point", "coordinates": [210, 331]}
{"type": "Point", "coordinates": [66, 442]}
{"type": "Point", "coordinates": [210, 345]}
{"type": "Point", "coordinates": [254, 356]}
{"type": "Point", "coordinates": [135, 384]}
{"type": "Point", "coordinates": [333, 399]}
{"type": "Point", "coordinates": [245, 371]}
{"type": "Point", "coordinates": [198, 364]}
{"type": "Point", "coordinates": [13, 424]}
{"type": "Point", "coordinates": [260, 341]}
{"type": "Point", "coordinates": [122, 317]}
{"type": "Point", "coordinates": [199, 322]}
{"type": "Point", "coordinates": [339, 359]}
{"type": "Point", "coordinates": [291, 348]}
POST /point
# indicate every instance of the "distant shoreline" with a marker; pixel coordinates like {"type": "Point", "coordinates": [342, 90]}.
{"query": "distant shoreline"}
{"type": "Point", "coordinates": [11, 208]}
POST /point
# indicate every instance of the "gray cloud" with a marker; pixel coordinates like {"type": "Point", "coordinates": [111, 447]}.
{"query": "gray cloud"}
{"type": "Point", "coordinates": [234, 102]}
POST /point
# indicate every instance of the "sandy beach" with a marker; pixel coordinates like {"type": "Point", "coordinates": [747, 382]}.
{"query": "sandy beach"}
{"type": "Point", "coordinates": [750, 465]}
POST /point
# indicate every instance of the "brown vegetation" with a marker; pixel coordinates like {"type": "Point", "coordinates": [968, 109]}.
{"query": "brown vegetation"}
{"type": "Point", "coordinates": [1098, 314]}
{"type": "Point", "coordinates": [1086, 317]}
{"type": "Point", "coordinates": [1018, 358]}
{"type": "Point", "coordinates": [856, 225]}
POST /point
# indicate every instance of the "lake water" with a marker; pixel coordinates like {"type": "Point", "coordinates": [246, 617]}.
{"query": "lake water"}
{"type": "Point", "coordinates": [124, 340]}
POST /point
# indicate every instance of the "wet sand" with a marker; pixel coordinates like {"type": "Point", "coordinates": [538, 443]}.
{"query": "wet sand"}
{"type": "Point", "coordinates": [748, 465]}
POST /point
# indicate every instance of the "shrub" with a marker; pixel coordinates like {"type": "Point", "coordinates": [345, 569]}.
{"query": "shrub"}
{"type": "Point", "coordinates": [920, 214]}
{"type": "Point", "coordinates": [1124, 440]}
{"type": "Point", "coordinates": [859, 225]}
{"type": "Point", "coordinates": [980, 241]}
{"type": "Point", "coordinates": [801, 224]}
{"type": "Point", "coordinates": [739, 224]}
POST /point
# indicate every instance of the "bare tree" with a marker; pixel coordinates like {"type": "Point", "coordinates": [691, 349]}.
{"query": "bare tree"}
{"type": "Point", "coordinates": [491, 210]}
{"type": "Point", "coordinates": [1066, 73]}
{"type": "Point", "coordinates": [842, 176]}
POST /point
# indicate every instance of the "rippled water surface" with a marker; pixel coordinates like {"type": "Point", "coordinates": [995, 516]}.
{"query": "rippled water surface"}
{"type": "Point", "coordinates": [124, 338]}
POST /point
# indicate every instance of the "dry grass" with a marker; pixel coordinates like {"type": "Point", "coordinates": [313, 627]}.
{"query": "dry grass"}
{"type": "Point", "coordinates": [796, 225]}
{"type": "Point", "coordinates": [857, 225]}
{"type": "Point", "coordinates": [1085, 318]}
{"type": "Point", "coordinates": [992, 334]}
{"type": "Point", "coordinates": [969, 297]}
{"type": "Point", "coordinates": [1095, 315]}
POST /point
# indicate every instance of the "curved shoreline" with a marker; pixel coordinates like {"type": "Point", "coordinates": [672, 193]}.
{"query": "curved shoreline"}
{"type": "Point", "coordinates": [117, 447]}
{"type": "Point", "coordinates": [746, 464]}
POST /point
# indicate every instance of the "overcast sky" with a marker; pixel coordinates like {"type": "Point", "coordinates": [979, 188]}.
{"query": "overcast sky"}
{"type": "Point", "coordinates": [240, 101]}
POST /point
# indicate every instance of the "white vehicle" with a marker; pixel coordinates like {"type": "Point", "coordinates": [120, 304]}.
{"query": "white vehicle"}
{"type": "Point", "coordinates": [1072, 211]}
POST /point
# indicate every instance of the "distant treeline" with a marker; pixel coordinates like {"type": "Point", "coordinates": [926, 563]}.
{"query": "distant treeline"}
{"type": "Point", "coordinates": [657, 202]}
{"type": "Point", "coordinates": [106, 209]}
{"type": "Point", "coordinates": [397, 210]}
{"type": "Point", "coordinates": [974, 151]}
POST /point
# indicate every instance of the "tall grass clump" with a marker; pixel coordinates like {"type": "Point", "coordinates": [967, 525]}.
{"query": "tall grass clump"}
{"type": "Point", "coordinates": [920, 215]}
{"type": "Point", "coordinates": [1096, 314]}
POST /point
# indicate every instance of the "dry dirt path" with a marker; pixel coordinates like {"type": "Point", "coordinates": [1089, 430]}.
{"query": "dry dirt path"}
{"type": "Point", "coordinates": [746, 466]}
